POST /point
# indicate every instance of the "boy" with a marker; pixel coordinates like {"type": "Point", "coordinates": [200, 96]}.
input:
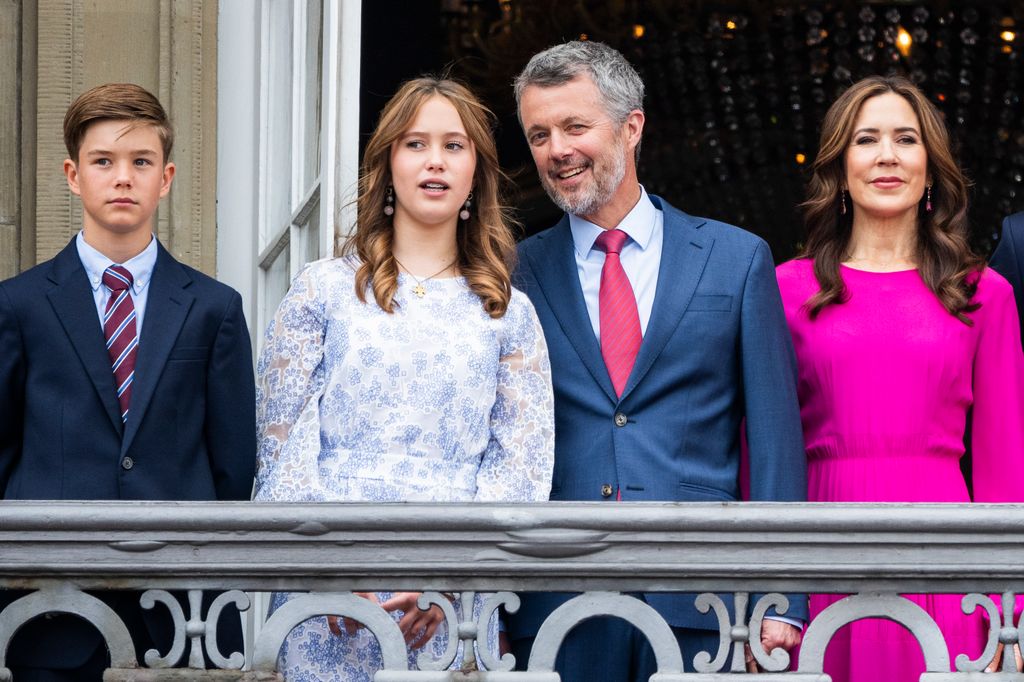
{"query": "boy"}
{"type": "Point", "coordinates": [124, 374]}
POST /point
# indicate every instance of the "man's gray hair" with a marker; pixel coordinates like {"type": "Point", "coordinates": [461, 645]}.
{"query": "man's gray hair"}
{"type": "Point", "coordinates": [618, 82]}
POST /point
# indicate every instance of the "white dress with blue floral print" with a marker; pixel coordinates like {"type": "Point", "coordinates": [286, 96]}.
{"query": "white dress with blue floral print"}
{"type": "Point", "coordinates": [435, 402]}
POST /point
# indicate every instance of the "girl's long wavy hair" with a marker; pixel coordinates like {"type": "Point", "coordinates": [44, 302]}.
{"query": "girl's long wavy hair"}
{"type": "Point", "coordinates": [945, 260]}
{"type": "Point", "coordinates": [486, 247]}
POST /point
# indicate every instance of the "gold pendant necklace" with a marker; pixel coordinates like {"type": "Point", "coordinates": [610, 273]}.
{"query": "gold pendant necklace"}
{"type": "Point", "coordinates": [419, 289]}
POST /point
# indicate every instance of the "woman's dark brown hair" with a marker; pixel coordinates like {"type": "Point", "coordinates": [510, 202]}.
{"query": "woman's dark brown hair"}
{"type": "Point", "coordinates": [945, 260]}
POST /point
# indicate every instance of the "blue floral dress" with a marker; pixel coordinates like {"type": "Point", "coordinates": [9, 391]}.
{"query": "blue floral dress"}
{"type": "Point", "coordinates": [435, 402]}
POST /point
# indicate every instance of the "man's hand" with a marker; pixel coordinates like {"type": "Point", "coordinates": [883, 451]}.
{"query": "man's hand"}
{"type": "Point", "coordinates": [774, 634]}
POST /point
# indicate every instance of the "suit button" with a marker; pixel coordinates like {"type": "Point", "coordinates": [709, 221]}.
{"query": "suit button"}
{"type": "Point", "coordinates": [606, 490]}
{"type": "Point", "coordinates": [620, 419]}
{"type": "Point", "coordinates": [127, 463]}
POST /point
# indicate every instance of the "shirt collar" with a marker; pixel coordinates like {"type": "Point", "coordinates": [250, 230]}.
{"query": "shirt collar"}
{"type": "Point", "coordinates": [638, 224]}
{"type": "Point", "coordinates": [94, 262]}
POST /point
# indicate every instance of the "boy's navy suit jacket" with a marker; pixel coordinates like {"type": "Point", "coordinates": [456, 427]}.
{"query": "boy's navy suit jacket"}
{"type": "Point", "coordinates": [190, 433]}
{"type": "Point", "coordinates": [717, 350]}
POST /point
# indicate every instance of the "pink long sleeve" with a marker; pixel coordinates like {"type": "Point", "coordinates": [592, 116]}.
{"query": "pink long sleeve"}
{"type": "Point", "coordinates": [997, 435]}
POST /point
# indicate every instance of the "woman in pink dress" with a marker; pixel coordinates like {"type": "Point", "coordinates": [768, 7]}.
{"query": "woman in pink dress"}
{"type": "Point", "coordinates": [901, 334]}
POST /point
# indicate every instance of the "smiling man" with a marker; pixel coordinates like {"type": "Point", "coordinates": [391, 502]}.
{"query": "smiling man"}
{"type": "Point", "coordinates": [665, 331]}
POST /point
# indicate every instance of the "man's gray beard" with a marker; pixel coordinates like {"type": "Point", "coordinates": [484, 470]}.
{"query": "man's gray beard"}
{"type": "Point", "coordinates": [591, 201]}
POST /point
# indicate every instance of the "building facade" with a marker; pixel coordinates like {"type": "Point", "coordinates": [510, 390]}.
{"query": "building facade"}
{"type": "Point", "coordinates": [263, 96]}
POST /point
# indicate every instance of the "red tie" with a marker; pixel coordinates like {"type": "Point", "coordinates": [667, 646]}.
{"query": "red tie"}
{"type": "Point", "coordinates": [119, 328]}
{"type": "Point", "coordinates": [620, 322]}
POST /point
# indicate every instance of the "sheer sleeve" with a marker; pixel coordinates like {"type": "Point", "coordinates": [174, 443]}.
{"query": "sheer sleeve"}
{"type": "Point", "coordinates": [519, 458]}
{"type": "Point", "coordinates": [290, 381]}
{"type": "Point", "coordinates": [997, 428]}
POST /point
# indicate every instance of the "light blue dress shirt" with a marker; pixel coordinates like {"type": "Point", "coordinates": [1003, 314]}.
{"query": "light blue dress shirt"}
{"type": "Point", "coordinates": [640, 258]}
{"type": "Point", "coordinates": [141, 267]}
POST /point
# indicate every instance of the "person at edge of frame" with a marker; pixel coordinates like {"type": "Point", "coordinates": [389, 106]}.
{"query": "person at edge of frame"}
{"type": "Point", "coordinates": [124, 374]}
{"type": "Point", "coordinates": [1008, 258]}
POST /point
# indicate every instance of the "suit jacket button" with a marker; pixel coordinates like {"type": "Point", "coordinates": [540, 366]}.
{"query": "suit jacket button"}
{"type": "Point", "coordinates": [620, 419]}
{"type": "Point", "coordinates": [606, 490]}
{"type": "Point", "coordinates": [127, 463]}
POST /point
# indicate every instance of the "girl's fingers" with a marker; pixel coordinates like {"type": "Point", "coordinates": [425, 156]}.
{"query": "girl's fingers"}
{"type": "Point", "coordinates": [419, 626]}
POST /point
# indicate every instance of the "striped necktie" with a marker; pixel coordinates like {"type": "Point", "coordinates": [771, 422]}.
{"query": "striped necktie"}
{"type": "Point", "coordinates": [620, 321]}
{"type": "Point", "coordinates": [120, 331]}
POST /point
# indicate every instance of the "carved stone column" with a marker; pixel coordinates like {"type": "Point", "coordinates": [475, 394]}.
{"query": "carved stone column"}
{"type": "Point", "coordinates": [166, 46]}
{"type": "Point", "coordinates": [10, 136]}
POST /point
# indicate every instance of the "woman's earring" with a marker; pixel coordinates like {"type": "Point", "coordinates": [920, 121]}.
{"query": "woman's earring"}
{"type": "Point", "coordinates": [928, 199]}
{"type": "Point", "coordinates": [842, 201]}
{"type": "Point", "coordinates": [464, 213]}
{"type": "Point", "coordinates": [389, 201]}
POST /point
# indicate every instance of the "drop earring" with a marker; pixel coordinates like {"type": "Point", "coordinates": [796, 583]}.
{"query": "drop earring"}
{"type": "Point", "coordinates": [389, 201]}
{"type": "Point", "coordinates": [464, 213]}
{"type": "Point", "coordinates": [842, 201]}
{"type": "Point", "coordinates": [928, 199]}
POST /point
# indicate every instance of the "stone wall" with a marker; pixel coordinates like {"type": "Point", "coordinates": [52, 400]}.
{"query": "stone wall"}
{"type": "Point", "coordinates": [68, 46]}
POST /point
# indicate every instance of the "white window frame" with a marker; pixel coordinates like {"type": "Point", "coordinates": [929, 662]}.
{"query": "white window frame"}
{"type": "Point", "coordinates": [247, 241]}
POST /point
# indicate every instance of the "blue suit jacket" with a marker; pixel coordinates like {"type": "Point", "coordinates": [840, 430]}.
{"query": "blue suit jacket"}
{"type": "Point", "coordinates": [1008, 258]}
{"type": "Point", "coordinates": [191, 431]}
{"type": "Point", "coordinates": [716, 350]}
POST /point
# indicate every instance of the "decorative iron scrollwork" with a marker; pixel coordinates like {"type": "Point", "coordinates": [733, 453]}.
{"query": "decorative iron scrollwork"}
{"type": "Point", "coordinates": [737, 634]}
{"type": "Point", "coordinates": [195, 629]}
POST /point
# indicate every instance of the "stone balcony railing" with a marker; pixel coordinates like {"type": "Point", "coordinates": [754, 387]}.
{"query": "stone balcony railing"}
{"type": "Point", "coordinates": [873, 552]}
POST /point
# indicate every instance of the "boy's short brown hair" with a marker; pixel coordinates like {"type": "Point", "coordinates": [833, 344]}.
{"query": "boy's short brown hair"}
{"type": "Point", "coordinates": [120, 102]}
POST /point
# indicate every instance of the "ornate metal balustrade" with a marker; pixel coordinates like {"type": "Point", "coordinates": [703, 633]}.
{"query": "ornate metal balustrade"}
{"type": "Point", "coordinates": [873, 552]}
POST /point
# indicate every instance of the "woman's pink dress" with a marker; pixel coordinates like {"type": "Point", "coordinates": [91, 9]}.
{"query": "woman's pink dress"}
{"type": "Point", "coordinates": [886, 380]}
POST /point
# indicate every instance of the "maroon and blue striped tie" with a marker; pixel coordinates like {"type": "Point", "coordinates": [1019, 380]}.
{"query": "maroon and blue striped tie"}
{"type": "Point", "coordinates": [120, 331]}
{"type": "Point", "coordinates": [620, 321]}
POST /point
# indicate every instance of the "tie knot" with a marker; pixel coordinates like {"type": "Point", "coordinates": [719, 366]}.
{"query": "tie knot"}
{"type": "Point", "coordinates": [611, 241]}
{"type": "Point", "coordinates": [117, 278]}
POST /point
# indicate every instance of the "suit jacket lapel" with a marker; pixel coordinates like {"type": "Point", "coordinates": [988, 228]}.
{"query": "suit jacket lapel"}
{"type": "Point", "coordinates": [554, 265]}
{"type": "Point", "coordinates": [167, 305]}
{"type": "Point", "coordinates": [72, 301]}
{"type": "Point", "coordinates": [684, 253]}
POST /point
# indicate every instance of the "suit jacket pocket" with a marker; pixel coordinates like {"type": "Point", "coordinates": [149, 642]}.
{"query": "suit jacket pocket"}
{"type": "Point", "coordinates": [189, 354]}
{"type": "Point", "coordinates": [691, 492]}
{"type": "Point", "coordinates": [712, 304]}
